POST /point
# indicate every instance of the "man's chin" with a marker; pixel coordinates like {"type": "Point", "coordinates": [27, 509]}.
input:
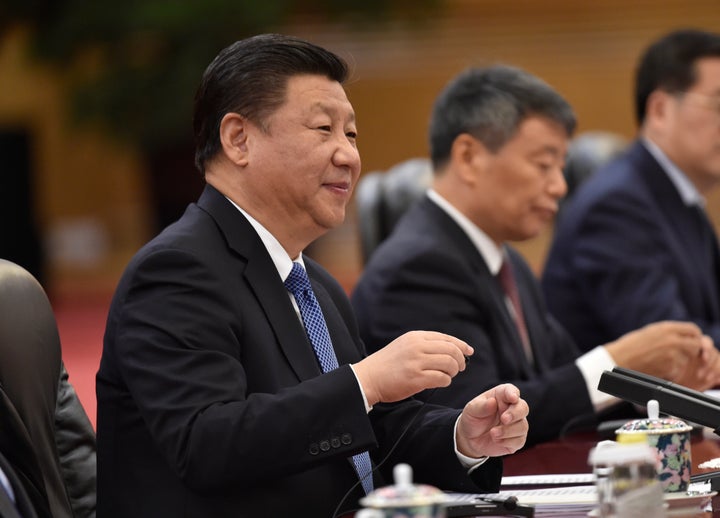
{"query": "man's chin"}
{"type": "Point", "coordinates": [331, 221]}
{"type": "Point", "coordinates": [528, 234]}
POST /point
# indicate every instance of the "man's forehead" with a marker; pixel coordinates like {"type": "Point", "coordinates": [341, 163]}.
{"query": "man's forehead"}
{"type": "Point", "coordinates": [318, 92]}
{"type": "Point", "coordinates": [332, 107]}
{"type": "Point", "coordinates": [707, 71]}
{"type": "Point", "coordinates": [539, 128]}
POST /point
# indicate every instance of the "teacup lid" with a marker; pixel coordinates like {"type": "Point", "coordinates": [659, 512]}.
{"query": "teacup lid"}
{"type": "Point", "coordinates": [611, 453]}
{"type": "Point", "coordinates": [404, 492]}
{"type": "Point", "coordinates": [653, 424]}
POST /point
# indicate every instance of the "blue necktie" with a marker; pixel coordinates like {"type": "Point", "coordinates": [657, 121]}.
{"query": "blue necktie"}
{"type": "Point", "coordinates": [298, 284]}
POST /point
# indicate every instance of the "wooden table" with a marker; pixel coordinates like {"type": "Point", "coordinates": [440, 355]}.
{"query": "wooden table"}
{"type": "Point", "coordinates": [570, 455]}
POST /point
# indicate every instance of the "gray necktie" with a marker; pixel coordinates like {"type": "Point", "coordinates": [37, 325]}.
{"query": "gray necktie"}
{"type": "Point", "coordinates": [298, 284]}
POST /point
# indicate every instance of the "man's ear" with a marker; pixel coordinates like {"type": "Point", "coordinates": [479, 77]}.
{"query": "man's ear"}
{"type": "Point", "coordinates": [658, 106]}
{"type": "Point", "coordinates": [233, 138]}
{"type": "Point", "coordinates": [468, 157]}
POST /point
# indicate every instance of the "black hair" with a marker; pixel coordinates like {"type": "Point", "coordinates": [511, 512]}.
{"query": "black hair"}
{"type": "Point", "coordinates": [490, 103]}
{"type": "Point", "coordinates": [250, 78]}
{"type": "Point", "coordinates": [669, 64]}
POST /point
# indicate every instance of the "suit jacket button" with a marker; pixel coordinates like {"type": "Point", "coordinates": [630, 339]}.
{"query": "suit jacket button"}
{"type": "Point", "coordinates": [335, 441]}
{"type": "Point", "coordinates": [346, 438]}
{"type": "Point", "coordinates": [314, 450]}
{"type": "Point", "coordinates": [324, 445]}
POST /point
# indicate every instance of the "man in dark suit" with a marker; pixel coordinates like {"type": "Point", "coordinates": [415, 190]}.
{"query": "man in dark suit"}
{"type": "Point", "coordinates": [635, 245]}
{"type": "Point", "coordinates": [211, 399]}
{"type": "Point", "coordinates": [498, 139]}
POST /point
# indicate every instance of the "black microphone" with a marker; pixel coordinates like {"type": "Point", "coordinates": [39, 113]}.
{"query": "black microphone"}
{"type": "Point", "coordinates": [674, 399]}
{"type": "Point", "coordinates": [489, 505]}
{"type": "Point", "coordinates": [508, 502]}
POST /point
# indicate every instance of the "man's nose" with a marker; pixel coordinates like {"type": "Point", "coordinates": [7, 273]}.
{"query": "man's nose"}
{"type": "Point", "coordinates": [347, 155]}
{"type": "Point", "coordinates": [558, 186]}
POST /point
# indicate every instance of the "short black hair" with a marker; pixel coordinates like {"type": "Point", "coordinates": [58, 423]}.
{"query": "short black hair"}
{"type": "Point", "coordinates": [490, 104]}
{"type": "Point", "coordinates": [250, 78]}
{"type": "Point", "coordinates": [669, 64]}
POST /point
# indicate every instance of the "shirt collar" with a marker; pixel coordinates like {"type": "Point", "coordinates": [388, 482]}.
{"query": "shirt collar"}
{"type": "Point", "coordinates": [689, 194]}
{"type": "Point", "coordinates": [280, 258]}
{"type": "Point", "coordinates": [490, 252]}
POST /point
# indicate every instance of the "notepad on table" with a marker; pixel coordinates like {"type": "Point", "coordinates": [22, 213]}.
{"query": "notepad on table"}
{"type": "Point", "coordinates": [566, 479]}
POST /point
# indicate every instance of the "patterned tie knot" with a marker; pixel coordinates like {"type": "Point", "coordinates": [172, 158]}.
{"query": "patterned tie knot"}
{"type": "Point", "coordinates": [297, 282]}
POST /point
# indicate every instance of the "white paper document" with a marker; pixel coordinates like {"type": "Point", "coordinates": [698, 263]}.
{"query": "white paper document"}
{"type": "Point", "coordinates": [566, 479]}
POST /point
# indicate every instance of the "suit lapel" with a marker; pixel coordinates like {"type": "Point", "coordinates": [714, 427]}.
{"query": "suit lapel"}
{"type": "Point", "coordinates": [487, 284]}
{"type": "Point", "coordinates": [681, 219]}
{"type": "Point", "coordinates": [262, 277]}
{"type": "Point", "coordinates": [290, 333]}
{"type": "Point", "coordinates": [708, 258]}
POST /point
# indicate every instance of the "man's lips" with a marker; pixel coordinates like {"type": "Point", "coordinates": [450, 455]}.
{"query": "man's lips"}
{"type": "Point", "coordinates": [548, 211]}
{"type": "Point", "coordinates": [340, 186]}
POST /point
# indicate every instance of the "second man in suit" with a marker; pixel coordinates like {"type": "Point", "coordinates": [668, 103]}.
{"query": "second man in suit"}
{"type": "Point", "coordinates": [498, 140]}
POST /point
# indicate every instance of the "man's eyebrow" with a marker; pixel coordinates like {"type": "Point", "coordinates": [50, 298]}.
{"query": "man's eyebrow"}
{"type": "Point", "coordinates": [331, 108]}
{"type": "Point", "coordinates": [553, 150]}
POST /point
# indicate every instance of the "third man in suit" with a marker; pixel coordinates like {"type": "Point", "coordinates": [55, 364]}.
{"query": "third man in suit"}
{"type": "Point", "coordinates": [635, 244]}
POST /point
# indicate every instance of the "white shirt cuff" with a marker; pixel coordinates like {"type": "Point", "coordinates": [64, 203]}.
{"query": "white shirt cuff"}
{"type": "Point", "coordinates": [592, 364]}
{"type": "Point", "coordinates": [471, 463]}
{"type": "Point", "coordinates": [367, 406]}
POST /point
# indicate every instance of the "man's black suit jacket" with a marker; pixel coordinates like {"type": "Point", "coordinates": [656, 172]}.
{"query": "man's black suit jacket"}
{"type": "Point", "coordinates": [210, 398]}
{"type": "Point", "coordinates": [627, 252]}
{"type": "Point", "coordinates": [429, 275]}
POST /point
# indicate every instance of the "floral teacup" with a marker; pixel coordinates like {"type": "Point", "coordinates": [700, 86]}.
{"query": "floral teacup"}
{"type": "Point", "coordinates": [671, 438]}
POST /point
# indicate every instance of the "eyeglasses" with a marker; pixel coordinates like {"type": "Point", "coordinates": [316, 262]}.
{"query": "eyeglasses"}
{"type": "Point", "coordinates": [706, 101]}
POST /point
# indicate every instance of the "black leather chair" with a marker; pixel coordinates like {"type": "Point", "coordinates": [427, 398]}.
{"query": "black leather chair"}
{"type": "Point", "coordinates": [381, 197]}
{"type": "Point", "coordinates": [45, 433]}
{"type": "Point", "coordinates": [587, 152]}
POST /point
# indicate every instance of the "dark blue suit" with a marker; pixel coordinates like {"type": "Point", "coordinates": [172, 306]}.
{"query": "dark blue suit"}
{"type": "Point", "coordinates": [429, 275]}
{"type": "Point", "coordinates": [627, 251]}
{"type": "Point", "coordinates": [211, 401]}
